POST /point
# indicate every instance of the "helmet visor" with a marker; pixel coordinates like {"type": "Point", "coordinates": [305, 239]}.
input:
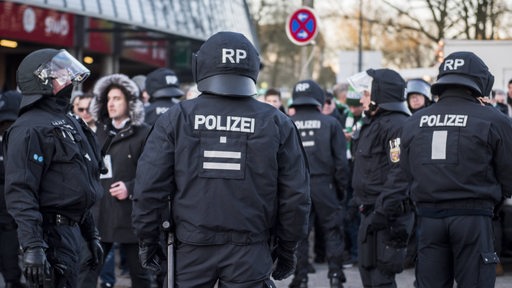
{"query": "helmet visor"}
{"type": "Point", "coordinates": [63, 68]}
{"type": "Point", "coordinates": [361, 82]}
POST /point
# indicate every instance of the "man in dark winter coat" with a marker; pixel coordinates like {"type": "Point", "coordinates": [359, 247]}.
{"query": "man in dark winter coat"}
{"type": "Point", "coordinates": [121, 133]}
{"type": "Point", "coordinates": [457, 156]}
{"type": "Point", "coordinates": [325, 146]}
{"type": "Point", "coordinates": [235, 171]}
{"type": "Point", "coordinates": [52, 165]}
{"type": "Point", "coordinates": [163, 87]}
{"type": "Point", "coordinates": [380, 186]}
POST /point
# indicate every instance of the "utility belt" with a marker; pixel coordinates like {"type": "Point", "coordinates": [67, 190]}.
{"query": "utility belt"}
{"type": "Point", "coordinates": [403, 207]}
{"type": "Point", "coordinates": [457, 207]}
{"type": "Point", "coordinates": [458, 204]}
{"type": "Point", "coordinates": [218, 238]}
{"type": "Point", "coordinates": [58, 219]}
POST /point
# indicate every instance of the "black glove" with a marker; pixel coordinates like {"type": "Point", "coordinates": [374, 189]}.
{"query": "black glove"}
{"type": "Point", "coordinates": [36, 267]}
{"type": "Point", "coordinates": [496, 213]}
{"type": "Point", "coordinates": [151, 255]}
{"type": "Point", "coordinates": [286, 260]}
{"type": "Point", "coordinates": [398, 237]}
{"type": "Point", "coordinates": [96, 253]}
{"type": "Point", "coordinates": [378, 221]}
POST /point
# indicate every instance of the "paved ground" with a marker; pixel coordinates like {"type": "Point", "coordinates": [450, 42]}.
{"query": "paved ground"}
{"type": "Point", "coordinates": [319, 279]}
{"type": "Point", "coordinates": [404, 279]}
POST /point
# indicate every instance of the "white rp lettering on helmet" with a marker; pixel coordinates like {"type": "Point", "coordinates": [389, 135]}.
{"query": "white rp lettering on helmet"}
{"type": "Point", "coordinates": [228, 54]}
{"type": "Point", "coordinates": [301, 87]}
{"type": "Point", "coordinates": [171, 79]}
{"type": "Point", "coordinates": [453, 64]}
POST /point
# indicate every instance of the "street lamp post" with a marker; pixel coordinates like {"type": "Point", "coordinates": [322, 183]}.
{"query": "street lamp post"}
{"type": "Point", "coordinates": [360, 44]}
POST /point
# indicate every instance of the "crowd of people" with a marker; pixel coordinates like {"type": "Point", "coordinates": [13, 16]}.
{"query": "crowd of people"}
{"type": "Point", "coordinates": [378, 172]}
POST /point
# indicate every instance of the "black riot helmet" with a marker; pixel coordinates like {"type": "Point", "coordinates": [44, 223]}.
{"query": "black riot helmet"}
{"type": "Point", "coordinates": [226, 64]}
{"type": "Point", "coordinates": [9, 105]}
{"type": "Point", "coordinates": [464, 69]}
{"type": "Point", "coordinates": [386, 87]}
{"type": "Point", "coordinates": [307, 93]}
{"type": "Point", "coordinates": [419, 86]}
{"type": "Point", "coordinates": [37, 72]}
{"type": "Point", "coordinates": [163, 83]}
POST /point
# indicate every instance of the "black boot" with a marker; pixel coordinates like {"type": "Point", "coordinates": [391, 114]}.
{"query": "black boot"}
{"type": "Point", "coordinates": [311, 269]}
{"type": "Point", "coordinates": [336, 280]}
{"type": "Point", "coordinates": [16, 284]}
{"type": "Point", "coordinates": [299, 282]}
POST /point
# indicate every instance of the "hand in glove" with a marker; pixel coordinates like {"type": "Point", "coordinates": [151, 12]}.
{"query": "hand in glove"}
{"type": "Point", "coordinates": [378, 221]}
{"type": "Point", "coordinates": [151, 255]}
{"type": "Point", "coordinates": [399, 237]}
{"type": "Point", "coordinates": [96, 250]}
{"type": "Point", "coordinates": [286, 260]}
{"type": "Point", "coordinates": [36, 267]}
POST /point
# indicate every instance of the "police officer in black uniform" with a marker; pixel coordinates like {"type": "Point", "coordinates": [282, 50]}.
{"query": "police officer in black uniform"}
{"type": "Point", "coordinates": [380, 186]}
{"type": "Point", "coordinates": [235, 171]}
{"type": "Point", "coordinates": [163, 87]}
{"type": "Point", "coordinates": [52, 166]}
{"type": "Point", "coordinates": [418, 94]}
{"type": "Point", "coordinates": [457, 155]}
{"type": "Point", "coordinates": [325, 147]}
{"type": "Point", "coordinates": [9, 266]}
{"type": "Point", "coordinates": [418, 97]}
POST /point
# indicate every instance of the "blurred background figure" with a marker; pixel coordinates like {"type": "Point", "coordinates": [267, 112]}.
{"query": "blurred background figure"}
{"type": "Point", "coordinates": [140, 80]}
{"type": "Point", "coordinates": [81, 109]}
{"type": "Point", "coordinates": [352, 123]}
{"type": "Point", "coordinates": [499, 100]}
{"type": "Point", "coordinates": [329, 108]}
{"type": "Point", "coordinates": [9, 262]}
{"type": "Point", "coordinates": [164, 91]}
{"type": "Point", "coordinates": [191, 92]}
{"type": "Point", "coordinates": [325, 147]}
{"type": "Point", "coordinates": [340, 91]}
{"type": "Point", "coordinates": [273, 97]}
{"type": "Point", "coordinates": [418, 94]}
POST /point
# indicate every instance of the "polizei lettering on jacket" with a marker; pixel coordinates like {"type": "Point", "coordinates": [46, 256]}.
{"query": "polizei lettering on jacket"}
{"type": "Point", "coordinates": [308, 124]}
{"type": "Point", "coordinates": [224, 123]}
{"type": "Point", "coordinates": [443, 120]}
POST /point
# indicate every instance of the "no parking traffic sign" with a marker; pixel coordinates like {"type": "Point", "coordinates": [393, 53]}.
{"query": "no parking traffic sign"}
{"type": "Point", "coordinates": [302, 26]}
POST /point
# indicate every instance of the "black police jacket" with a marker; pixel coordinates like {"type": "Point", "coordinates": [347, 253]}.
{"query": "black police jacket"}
{"type": "Point", "coordinates": [157, 107]}
{"type": "Point", "coordinates": [324, 142]}
{"type": "Point", "coordinates": [6, 220]}
{"type": "Point", "coordinates": [52, 165]}
{"type": "Point", "coordinates": [377, 179]}
{"type": "Point", "coordinates": [234, 168]}
{"type": "Point", "coordinates": [457, 153]}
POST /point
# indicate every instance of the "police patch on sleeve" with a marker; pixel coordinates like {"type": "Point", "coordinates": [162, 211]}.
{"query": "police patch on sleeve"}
{"type": "Point", "coordinates": [394, 150]}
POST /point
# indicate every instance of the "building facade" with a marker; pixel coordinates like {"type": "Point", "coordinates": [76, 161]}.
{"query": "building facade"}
{"type": "Point", "coordinates": [110, 36]}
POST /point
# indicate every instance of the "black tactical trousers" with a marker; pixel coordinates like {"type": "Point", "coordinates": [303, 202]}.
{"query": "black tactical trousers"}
{"type": "Point", "coordinates": [456, 248]}
{"type": "Point", "coordinates": [64, 243]}
{"type": "Point", "coordinates": [139, 276]}
{"type": "Point", "coordinates": [232, 265]}
{"type": "Point", "coordinates": [9, 251]}
{"type": "Point", "coordinates": [380, 255]}
{"type": "Point", "coordinates": [327, 210]}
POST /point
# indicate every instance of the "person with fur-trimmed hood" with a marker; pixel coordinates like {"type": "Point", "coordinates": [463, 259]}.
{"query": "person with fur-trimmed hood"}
{"type": "Point", "coordinates": [119, 113]}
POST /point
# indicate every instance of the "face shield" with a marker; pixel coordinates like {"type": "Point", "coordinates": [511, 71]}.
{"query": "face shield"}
{"type": "Point", "coordinates": [361, 82]}
{"type": "Point", "coordinates": [63, 68]}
